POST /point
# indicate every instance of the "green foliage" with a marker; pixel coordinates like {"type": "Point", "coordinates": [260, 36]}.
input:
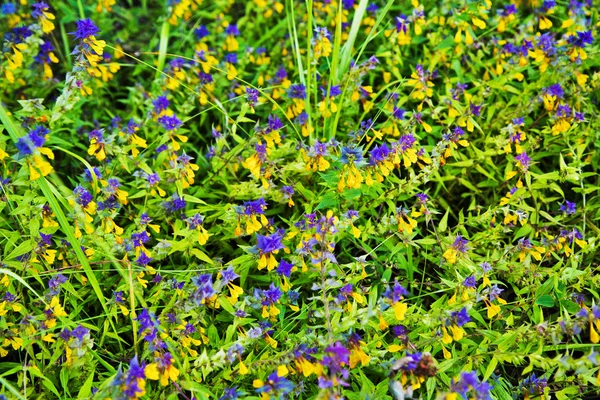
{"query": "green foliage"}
{"type": "Point", "coordinates": [307, 200]}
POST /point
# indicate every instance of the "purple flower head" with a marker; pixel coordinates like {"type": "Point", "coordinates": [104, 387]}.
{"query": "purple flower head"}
{"type": "Point", "coordinates": [524, 160]}
{"type": "Point", "coordinates": [143, 259]}
{"type": "Point", "coordinates": [396, 292]}
{"type": "Point", "coordinates": [379, 154]}
{"type": "Point", "coordinates": [460, 244]}
{"type": "Point", "coordinates": [56, 281]}
{"type": "Point", "coordinates": [461, 317]}
{"type": "Point", "coordinates": [274, 123]}
{"type": "Point", "coordinates": [45, 240]}
{"type": "Point", "coordinates": [230, 58]}
{"type": "Point", "coordinates": [470, 282]}
{"type": "Point", "coordinates": [170, 123]}
{"type": "Point", "coordinates": [269, 244]}
{"type": "Point", "coordinates": [228, 275]}
{"type": "Point", "coordinates": [201, 32]}
{"type": "Point", "coordinates": [232, 30]}
{"type": "Point", "coordinates": [284, 268]}
{"type": "Point", "coordinates": [582, 38]}
{"type": "Point", "coordinates": [297, 92]}
{"type": "Point", "coordinates": [82, 196]}
{"type": "Point", "coordinates": [160, 104]}
{"type": "Point", "coordinates": [568, 207]}
{"type": "Point", "coordinates": [398, 113]}
{"type": "Point", "coordinates": [85, 29]}
{"type": "Point", "coordinates": [555, 90]}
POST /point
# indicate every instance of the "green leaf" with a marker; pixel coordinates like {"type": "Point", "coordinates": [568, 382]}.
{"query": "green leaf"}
{"type": "Point", "coordinates": [444, 222]}
{"type": "Point", "coordinates": [545, 301]}
{"type": "Point", "coordinates": [86, 389]}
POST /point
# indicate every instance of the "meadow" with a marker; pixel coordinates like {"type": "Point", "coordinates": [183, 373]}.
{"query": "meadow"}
{"type": "Point", "coordinates": [318, 199]}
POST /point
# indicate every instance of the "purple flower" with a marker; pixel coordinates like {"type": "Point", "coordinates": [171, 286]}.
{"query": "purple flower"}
{"type": "Point", "coordinates": [269, 244]}
{"type": "Point", "coordinates": [284, 268]}
{"type": "Point", "coordinates": [56, 281]}
{"type": "Point", "coordinates": [143, 259]}
{"type": "Point", "coordinates": [82, 196]}
{"type": "Point", "coordinates": [228, 275]}
{"type": "Point", "coordinates": [274, 123]}
{"type": "Point", "coordinates": [569, 207]}
{"type": "Point", "coordinates": [396, 292]}
{"type": "Point", "coordinates": [170, 123]}
{"type": "Point", "coordinates": [160, 104]}
{"type": "Point", "coordinates": [85, 29]}
{"type": "Point", "coordinates": [470, 282]}
{"type": "Point", "coordinates": [297, 91]}
{"type": "Point", "coordinates": [201, 32]}
{"type": "Point", "coordinates": [461, 317]}
{"type": "Point", "coordinates": [524, 160]}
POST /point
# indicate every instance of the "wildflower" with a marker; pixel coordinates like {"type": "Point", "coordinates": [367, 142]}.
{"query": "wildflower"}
{"type": "Point", "coordinates": [402, 31]}
{"type": "Point", "coordinates": [421, 80]}
{"type": "Point", "coordinates": [268, 299]}
{"type": "Point", "coordinates": [395, 295]}
{"type": "Point", "coordinates": [321, 44]}
{"type": "Point", "coordinates": [357, 355]}
{"type": "Point", "coordinates": [162, 368]}
{"type": "Point", "coordinates": [134, 140]}
{"type": "Point", "coordinates": [523, 161]}
{"type": "Point", "coordinates": [533, 386]}
{"type": "Point", "coordinates": [185, 169]}
{"type": "Point", "coordinates": [298, 94]}
{"type": "Point", "coordinates": [231, 43]}
{"type": "Point", "coordinates": [175, 204]}
{"type": "Point", "coordinates": [227, 277]}
{"type": "Point", "coordinates": [327, 106]}
{"type": "Point", "coordinates": [31, 146]}
{"type": "Point", "coordinates": [252, 210]}
{"type": "Point", "coordinates": [305, 362]}
{"type": "Point", "coordinates": [255, 161]}
{"type": "Point", "coordinates": [268, 246]}
{"type": "Point", "coordinates": [347, 293]}
{"type": "Point", "coordinates": [41, 12]}
{"type": "Point", "coordinates": [579, 40]}
{"type": "Point", "coordinates": [336, 359]}
{"type": "Point", "coordinates": [460, 246]}
{"type": "Point", "coordinates": [551, 95]}
{"type": "Point", "coordinates": [525, 247]}
{"type": "Point", "coordinates": [91, 48]}
{"type": "Point", "coordinates": [593, 317]}
{"type": "Point", "coordinates": [490, 294]}
{"type": "Point", "coordinates": [171, 124]}
{"type": "Point", "coordinates": [507, 15]}
{"type": "Point", "coordinates": [287, 192]}
{"type": "Point", "coordinates": [455, 323]}
{"type": "Point", "coordinates": [195, 223]}
{"type": "Point", "coordinates": [517, 136]}
{"type": "Point", "coordinates": [315, 157]}
{"type": "Point", "coordinates": [350, 176]}
{"type": "Point", "coordinates": [276, 386]}
{"type": "Point", "coordinates": [451, 141]}
{"type": "Point", "coordinates": [45, 57]}
{"type": "Point", "coordinates": [466, 383]}
{"type": "Point", "coordinates": [230, 60]}
{"type": "Point", "coordinates": [303, 120]}
{"type": "Point", "coordinates": [252, 97]}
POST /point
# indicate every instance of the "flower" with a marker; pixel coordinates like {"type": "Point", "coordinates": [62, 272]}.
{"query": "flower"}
{"type": "Point", "coordinates": [85, 29]}
{"type": "Point", "coordinates": [268, 246]}
{"type": "Point", "coordinates": [460, 246]}
{"type": "Point", "coordinates": [162, 368]}
{"type": "Point", "coordinates": [568, 207]}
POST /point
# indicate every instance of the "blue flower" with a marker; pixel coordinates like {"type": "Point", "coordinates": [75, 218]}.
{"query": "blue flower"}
{"type": "Point", "coordinates": [85, 29]}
